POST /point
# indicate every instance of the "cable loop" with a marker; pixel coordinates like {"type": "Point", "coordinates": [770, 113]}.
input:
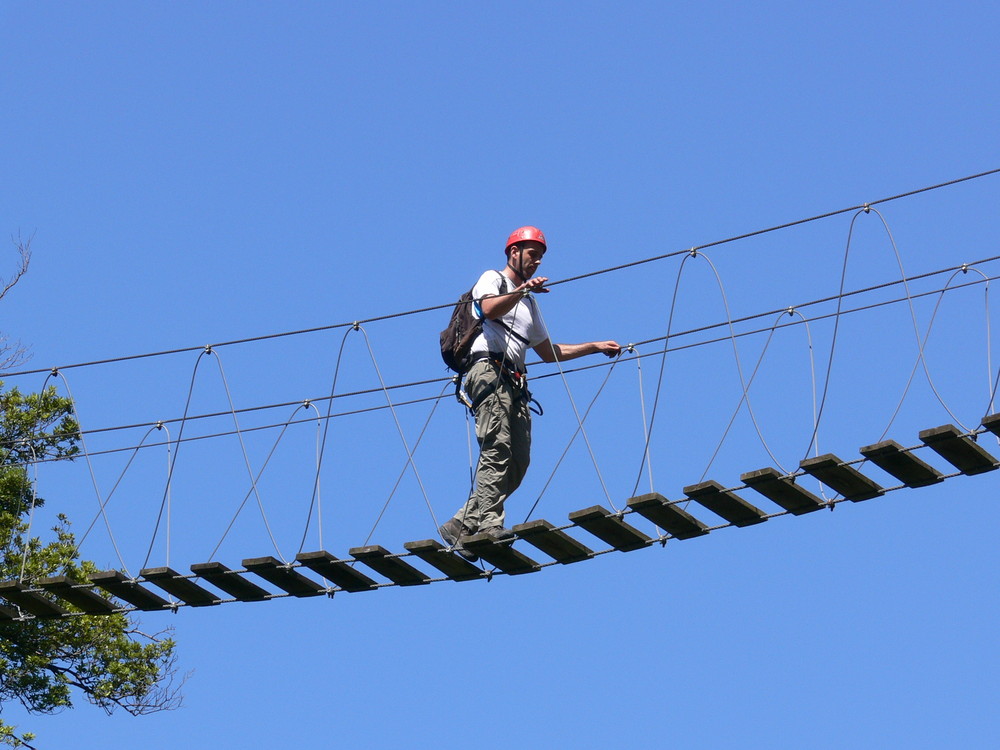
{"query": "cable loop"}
{"type": "Point", "coordinates": [579, 420]}
{"type": "Point", "coordinates": [260, 473]}
{"type": "Point", "coordinates": [399, 428]}
{"type": "Point", "coordinates": [402, 473]}
{"type": "Point", "coordinates": [101, 502]}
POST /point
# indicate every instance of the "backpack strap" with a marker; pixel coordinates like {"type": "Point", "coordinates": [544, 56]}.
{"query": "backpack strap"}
{"type": "Point", "coordinates": [499, 321]}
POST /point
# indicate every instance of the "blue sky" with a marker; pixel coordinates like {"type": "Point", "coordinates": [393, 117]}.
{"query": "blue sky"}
{"type": "Point", "coordinates": [195, 174]}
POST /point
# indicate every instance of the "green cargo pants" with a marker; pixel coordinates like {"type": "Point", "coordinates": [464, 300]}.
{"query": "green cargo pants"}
{"type": "Point", "coordinates": [503, 428]}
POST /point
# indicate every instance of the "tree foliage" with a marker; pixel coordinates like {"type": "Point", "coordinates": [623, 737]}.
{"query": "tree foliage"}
{"type": "Point", "coordinates": [45, 663]}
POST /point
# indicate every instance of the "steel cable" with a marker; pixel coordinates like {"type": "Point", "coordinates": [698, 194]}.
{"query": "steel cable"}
{"type": "Point", "coordinates": [391, 316]}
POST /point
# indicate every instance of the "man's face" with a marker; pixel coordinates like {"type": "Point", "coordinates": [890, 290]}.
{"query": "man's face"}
{"type": "Point", "coordinates": [526, 257]}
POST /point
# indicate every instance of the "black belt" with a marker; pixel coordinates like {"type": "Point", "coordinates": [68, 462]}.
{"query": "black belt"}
{"type": "Point", "coordinates": [498, 359]}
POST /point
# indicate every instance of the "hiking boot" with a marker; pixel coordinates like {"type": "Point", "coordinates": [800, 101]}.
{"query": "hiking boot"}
{"type": "Point", "coordinates": [453, 532]}
{"type": "Point", "coordinates": [499, 534]}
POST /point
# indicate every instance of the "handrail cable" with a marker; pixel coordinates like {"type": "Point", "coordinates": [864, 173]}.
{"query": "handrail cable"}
{"type": "Point", "coordinates": [691, 331]}
{"type": "Point", "coordinates": [390, 316]}
{"type": "Point", "coordinates": [568, 371]}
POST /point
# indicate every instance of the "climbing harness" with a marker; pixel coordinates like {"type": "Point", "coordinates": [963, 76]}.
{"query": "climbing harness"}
{"type": "Point", "coordinates": [517, 380]}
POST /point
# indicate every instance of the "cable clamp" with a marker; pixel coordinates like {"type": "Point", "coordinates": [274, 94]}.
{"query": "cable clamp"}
{"type": "Point", "coordinates": [356, 325]}
{"type": "Point", "coordinates": [208, 348]}
{"type": "Point", "coordinates": [307, 403]}
{"type": "Point", "coordinates": [790, 310]}
{"type": "Point", "coordinates": [159, 424]}
{"type": "Point", "coordinates": [630, 348]}
{"type": "Point", "coordinates": [694, 252]}
{"type": "Point", "coordinates": [867, 208]}
{"type": "Point", "coordinates": [55, 372]}
{"type": "Point", "coordinates": [965, 268]}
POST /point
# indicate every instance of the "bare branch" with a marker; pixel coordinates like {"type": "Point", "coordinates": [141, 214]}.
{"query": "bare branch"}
{"type": "Point", "coordinates": [13, 353]}
{"type": "Point", "coordinates": [24, 253]}
{"type": "Point", "coordinates": [156, 637]}
{"type": "Point", "coordinates": [165, 696]}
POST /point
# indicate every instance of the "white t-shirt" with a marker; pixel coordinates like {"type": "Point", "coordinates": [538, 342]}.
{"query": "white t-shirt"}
{"type": "Point", "coordinates": [522, 320]}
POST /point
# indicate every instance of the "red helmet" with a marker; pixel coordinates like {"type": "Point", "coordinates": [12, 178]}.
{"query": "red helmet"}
{"type": "Point", "coordinates": [525, 234]}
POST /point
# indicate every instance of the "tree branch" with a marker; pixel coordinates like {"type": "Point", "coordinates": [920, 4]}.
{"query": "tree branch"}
{"type": "Point", "coordinates": [13, 354]}
{"type": "Point", "coordinates": [24, 253]}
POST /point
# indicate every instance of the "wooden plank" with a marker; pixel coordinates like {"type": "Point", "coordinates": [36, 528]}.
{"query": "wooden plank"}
{"type": "Point", "coordinates": [674, 520]}
{"type": "Point", "coordinates": [8, 615]}
{"type": "Point", "coordinates": [232, 583]}
{"type": "Point", "coordinates": [958, 449]}
{"type": "Point", "coordinates": [902, 464]}
{"type": "Point", "coordinates": [992, 423]}
{"type": "Point", "coordinates": [846, 480]}
{"type": "Point", "coordinates": [609, 528]}
{"type": "Point", "coordinates": [782, 491]}
{"type": "Point", "coordinates": [554, 542]}
{"type": "Point", "coordinates": [398, 571]}
{"type": "Point", "coordinates": [177, 585]}
{"type": "Point", "coordinates": [30, 601]}
{"type": "Point", "coordinates": [500, 555]}
{"type": "Point", "coordinates": [78, 594]}
{"type": "Point", "coordinates": [725, 503]}
{"type": "Point", "coordinates": [336, 571]}
{"type": "Point", "coordinates": [117, 584]}
{"type": "Point", "coordinates": [432, 552]}
{"type": "Point", "coordinates": [283, 576]}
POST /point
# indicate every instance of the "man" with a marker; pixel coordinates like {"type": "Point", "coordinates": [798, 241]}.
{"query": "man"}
{"type": "Point", "coordinates": [495, 384]}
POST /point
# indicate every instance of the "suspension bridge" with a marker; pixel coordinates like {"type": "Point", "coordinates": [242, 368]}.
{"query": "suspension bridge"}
{"type": "Point", "coordinates": [645, 520]}
{"type": "Point", "coordinates": [369, 568]}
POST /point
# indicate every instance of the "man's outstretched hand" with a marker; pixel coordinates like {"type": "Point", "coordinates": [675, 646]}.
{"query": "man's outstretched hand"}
{"type": "Point", "coordinates": [536, 284]}
{"type": "Point", "coordinates": [608, 348]}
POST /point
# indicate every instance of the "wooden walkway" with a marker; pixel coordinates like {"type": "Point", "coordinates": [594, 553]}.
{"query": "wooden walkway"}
{"type": "Point", "coordinates": [373, 567]}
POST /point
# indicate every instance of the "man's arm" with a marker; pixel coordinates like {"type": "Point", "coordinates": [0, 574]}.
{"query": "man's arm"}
{"type": "Point", "coordinates": [549, 352]}
{"type": "Point", "coordinates": [494, 307]}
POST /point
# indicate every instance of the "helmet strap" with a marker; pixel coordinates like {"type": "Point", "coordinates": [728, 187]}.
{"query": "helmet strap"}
{"type": "Point", "coordinates": [520, 262]}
